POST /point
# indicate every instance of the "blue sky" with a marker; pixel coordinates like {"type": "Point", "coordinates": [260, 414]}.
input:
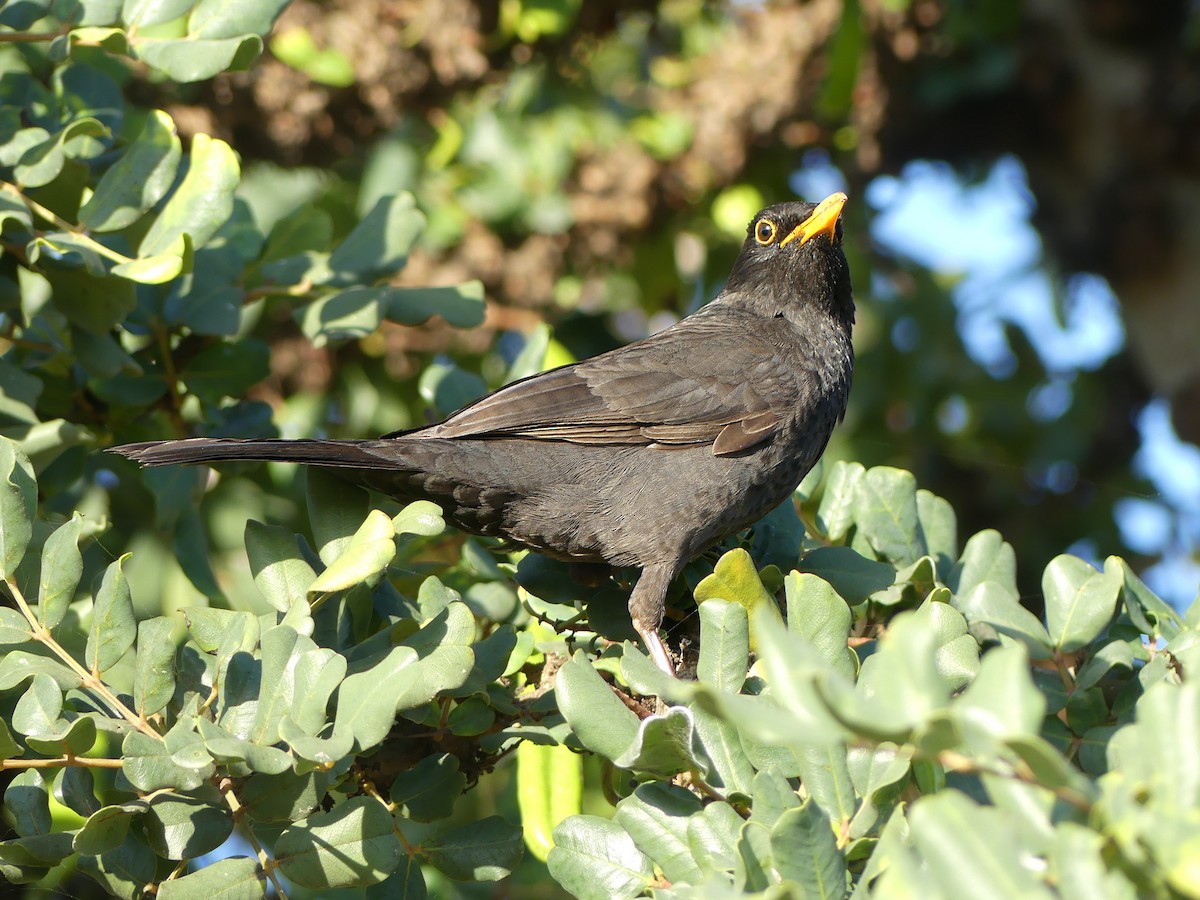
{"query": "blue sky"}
{"type": "Point", "coordinates": [980, 233]}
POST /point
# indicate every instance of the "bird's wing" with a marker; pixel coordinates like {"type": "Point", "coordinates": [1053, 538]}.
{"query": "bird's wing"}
{"type": "Point", "coordinates": [713, 379]}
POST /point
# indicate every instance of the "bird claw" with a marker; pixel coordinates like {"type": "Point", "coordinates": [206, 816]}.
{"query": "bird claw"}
{"type": "Point", "coordinates": [656, 648]}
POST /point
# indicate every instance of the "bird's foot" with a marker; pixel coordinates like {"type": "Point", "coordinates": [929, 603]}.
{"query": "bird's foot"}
{"type": "Point", "coordinates": [656, 648]}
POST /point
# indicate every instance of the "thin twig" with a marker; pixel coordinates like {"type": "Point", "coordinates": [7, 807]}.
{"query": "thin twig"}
{"type": "Point", "coordinates": [90, 681]}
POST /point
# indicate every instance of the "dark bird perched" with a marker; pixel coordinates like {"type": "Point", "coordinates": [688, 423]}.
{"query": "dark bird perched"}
{"type": "Point", "coordinates": [643, 456]}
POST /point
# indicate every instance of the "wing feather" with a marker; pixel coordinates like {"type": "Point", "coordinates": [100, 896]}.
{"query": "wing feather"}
{"type": "Point", "coordinates": [715, 377]}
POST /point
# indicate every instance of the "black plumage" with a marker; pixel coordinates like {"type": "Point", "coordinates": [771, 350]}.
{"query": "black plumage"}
{"type": "Point", "coordinates": [644, 456]}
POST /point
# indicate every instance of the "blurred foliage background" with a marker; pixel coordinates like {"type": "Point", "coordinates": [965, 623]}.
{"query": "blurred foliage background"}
{"type": "Point", "coordinates": [594, 165]}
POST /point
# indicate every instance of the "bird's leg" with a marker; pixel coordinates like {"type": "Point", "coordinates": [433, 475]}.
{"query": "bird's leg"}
{"type": "Point", "coordinates": [646, 606]}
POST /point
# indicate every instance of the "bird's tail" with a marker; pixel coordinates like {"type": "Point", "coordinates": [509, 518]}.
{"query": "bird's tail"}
{"type": "Point", "coordinates": [349, 454]}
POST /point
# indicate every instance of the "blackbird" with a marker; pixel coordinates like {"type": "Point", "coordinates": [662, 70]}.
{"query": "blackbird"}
{"type": "Point", "coordinates": [643, 456]}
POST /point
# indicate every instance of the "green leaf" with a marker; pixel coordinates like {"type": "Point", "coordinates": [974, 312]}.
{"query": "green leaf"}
{"type": "Point", "coordinates": [345, 316]}
{"type": "Point", "coordinates": [95, 305]}
{"type": "Point", "coordinates": [366, 555]}
{"type": "Point", "coordinates": [712, 837]}
{"type": "Point", "coordinates": [155, 269]}
{"type": "Point", "coordinates": [899, 687]}
{"type": "Point", "coordinates": [825, 773]}
{"type": "Point", "coordinates": [283, 798]}
{"type": "Point", "coordinates": [296, 47]}
{"type": "Point", "coordinates": [549, 790]}
{"type": "Point", "coordinates": [735, 579]}
{"type": "Point", "coordinates": [144, 13]}
{"type": "Point", "coordinates": [818, 615]}
{"type": "Point", "coordinates": [885, 510]}
{"type": "Point", "coordinates": [317, 673]}
{"type": "Point", "coordinates": [281, 573]}
{"type": "Point", "coordinates": [27, 802]}
{"type": "Point", "coordinates": [17, 665]}
{"type": "Point", "coordinates": [971, 851]}
{"type": "Point", "coordinates": [602, 722]}
{"type": "Point", "coordinates": [214, 19]}
{"type": "Point", "coordinates": [107, 827]}
{"type": "Point", "coordinates": [227, 368]}
{"type": "Point", "coordinates": [136, 181]}
{"type": "Point", "coordinates": [461, 305]}
{"type": "Point", "coordinates": [986, 558]}
{"type": "Point", "coordinates": [724, 645]}
{"type": "Point", "coordinates": [664, 745]}
{"type": "Point", "coordinates": [18, 500]}
{"type": "Point", "coordinates": [37, 712]}
{"type": "Point", "coordinates": [124, 871]}
{"type": "Point", "coordinates": [1079, 600]}
{"type": "Point", "coordinates": [429, 790]}
{"type": "Point", "coordinates": [9, 748]}
{"type": "Point", "coordinates": [851, 574]}
{"type": "Point", "coordinates": [179, 827]}
{"type": "Point", "coordinates": [835, 515]}
{"type": "Point", "coordinates": [154, 676]}
{"type": "Point", "coordinates": [76, 790]}
{"type": "Point", "coordinates": [366, 705]}
{"type": "Point", "coordinates": [988, 603]}
{"type": "Point", "coordinates": [487, 850]}
{"type": "Point", "coordinates": [231, 878]}
{"type": "Point", "coordinates": [379, 244]}
{"type": "Point", "coordinates": [203, 201]}
{"type": "Point", "coordinates": [188, 60]}
{"type": "Point", "coordinates": [69, 735]}
{"type": "Point", "coordinates": [731, 767]}
{"type": "Point", "coordinates": [14, 628]}
{"type": "Point", "coordinates": [596, 859]}
{"type": "Point", "coordinates": [940, 529]}
{"type": "Point", "coordinates": [420, 517]}
{"type": "Point", "coordinates": [1146, 609]}
{"type": "Point", "coordinates": [336, 510]}
{"type": "Point", "coordinates": [755, 866]}
{"type": "Point", "coordinates": [805, 851]}
{"type": "Point", "coordinates": [43, 161]}
{"type": "Point", "coordinates": [150, 765]}
{"type": "Point", "coordinates": [62, 567]}
{"type": "Point", "coordinates": [956, 656]}
{"type": "Point", "coordinates": [353, 845]}
{"type": "Point", "coordinates": [113, 627]}
{"type": "Point", "coordinates": [656, 817]}
{"type": "Point", "coordinates": [794, 670]}
{"type": "Point", "coordinates": [1003, 700]}
{"type": "Point", "coordinates": [1078, 867]}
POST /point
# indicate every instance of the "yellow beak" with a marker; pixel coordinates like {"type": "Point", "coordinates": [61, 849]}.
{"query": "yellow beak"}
{"type": "Point", "coordinates": [822, 221]}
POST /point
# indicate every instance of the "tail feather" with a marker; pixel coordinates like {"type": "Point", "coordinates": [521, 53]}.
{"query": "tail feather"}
{"type": "Point", "coordinates": [348, 454]}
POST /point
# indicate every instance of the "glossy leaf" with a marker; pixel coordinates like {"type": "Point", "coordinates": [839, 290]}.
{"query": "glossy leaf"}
{"type": "Point", "coordinates": [486, 850]}
{"type": "Point", "coordinates": [18, 497]}
{"type": "Point", "coordinates": [202, 202]}
{"type": "Point", "coordinates": [137, 180]}
{"type": "Point", "coordinates": [366, 555]}
{"type": "Point", "coordinates": [353, 845]}
{"type": "Point", "coordinates": [154, 678]}
{"type": "Point", "coordinates": [113, 627]}
{"type": "Point", "coordinates": [805, 851]}
{"type": "Point", "coordinates": [1079, 600]}
{"type": "Point", "coordinates": [281, 573]}
{"type": "Point", "coordinates": [596, 859]}
{"type": "Point", "coordinates": [62, 567]}
{"type": "Point", "coordinates": [231, 878]}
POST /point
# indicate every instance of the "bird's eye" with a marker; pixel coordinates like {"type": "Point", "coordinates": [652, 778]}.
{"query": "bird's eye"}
{"type": "Point", "coordinates": [764, 231]}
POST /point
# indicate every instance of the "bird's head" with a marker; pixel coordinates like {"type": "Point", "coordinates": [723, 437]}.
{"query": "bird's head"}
{"type": "Point", "coordinates": [792, 258]}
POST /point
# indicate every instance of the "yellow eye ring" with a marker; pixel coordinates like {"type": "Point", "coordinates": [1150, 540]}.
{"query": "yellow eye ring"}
{"type": "Point", "coordinates": [764, 231]}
